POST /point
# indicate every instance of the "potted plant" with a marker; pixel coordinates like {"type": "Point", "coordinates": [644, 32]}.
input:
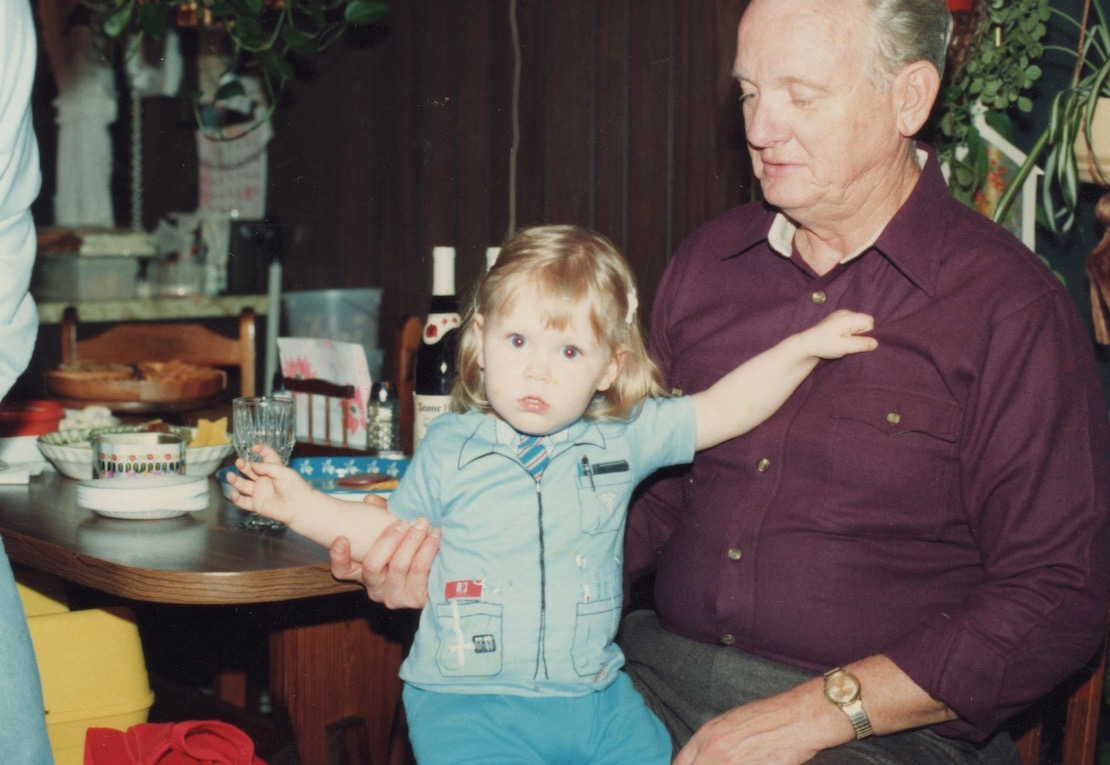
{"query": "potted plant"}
{"type": "Point", "coordinates": [1071, 145]}
{"type": "Point", "coordinates": [262, 36]}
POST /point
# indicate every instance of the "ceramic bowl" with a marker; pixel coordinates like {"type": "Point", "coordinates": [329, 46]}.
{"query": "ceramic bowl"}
{"type": "Point", "coordinates": [70, 451]}
{"type": "Point", "coordinates": [119, 455]}
{"type": "Point", "coordinates": [205, 460]}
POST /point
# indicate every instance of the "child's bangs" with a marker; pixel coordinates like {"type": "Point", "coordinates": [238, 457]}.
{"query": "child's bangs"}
{"type": "Point", "coordinates": [559, 291]}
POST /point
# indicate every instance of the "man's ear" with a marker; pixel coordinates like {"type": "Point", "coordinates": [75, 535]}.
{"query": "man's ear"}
{"type": "Point", "coordinates": [914, 92]}
{"type": "Point", "coordinates": [478, 324]}
{"type": "Point", "coordinates": [616, 364]}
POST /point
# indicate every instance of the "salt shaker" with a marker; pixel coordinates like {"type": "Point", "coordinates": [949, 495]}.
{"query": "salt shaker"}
{"type": "Point", "coordinates": [383, 432]}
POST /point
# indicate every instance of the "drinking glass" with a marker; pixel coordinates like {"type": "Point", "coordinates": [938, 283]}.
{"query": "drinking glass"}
{"type": "Point", "coordinates": [263, 420]}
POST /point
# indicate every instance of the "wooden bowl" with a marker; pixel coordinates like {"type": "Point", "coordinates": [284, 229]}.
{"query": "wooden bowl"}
{"type": "Point", "coordinates": [113, 382]}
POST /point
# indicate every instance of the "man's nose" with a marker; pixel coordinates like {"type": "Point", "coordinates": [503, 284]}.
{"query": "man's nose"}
{"type": "Point", "coordinates": [762, 125]}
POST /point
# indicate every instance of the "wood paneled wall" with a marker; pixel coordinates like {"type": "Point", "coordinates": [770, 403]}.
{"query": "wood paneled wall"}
{"type": "Point", "coordinates": [628, 123]}
{"type": "Point", "coordinates": [401, 138]}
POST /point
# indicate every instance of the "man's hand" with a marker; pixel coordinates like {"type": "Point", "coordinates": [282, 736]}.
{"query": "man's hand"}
{"type": "Point", "coordinates": [793, 726]}
{"type": "Point", "coordinates": [395, 570]}
{"type": "Point", "coordinates": [787, 729]}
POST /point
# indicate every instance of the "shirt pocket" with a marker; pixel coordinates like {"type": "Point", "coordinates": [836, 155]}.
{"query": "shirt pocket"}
{"type": "Point", "coordinates": [595, 626]}
{"type": "Point", "coordinates": [603, 491]}
{"type": "Point", "coordinates": [890, 462]}
{"type": "Point", "coordinates": [470, 639]}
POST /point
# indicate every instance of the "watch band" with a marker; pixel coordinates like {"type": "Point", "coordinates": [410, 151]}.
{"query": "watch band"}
{"type": "Point", "coordinates": [860, 722]}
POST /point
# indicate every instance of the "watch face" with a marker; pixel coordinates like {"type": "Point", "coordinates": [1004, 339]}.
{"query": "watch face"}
{"type": "Point", "coordinates": [841, 687]}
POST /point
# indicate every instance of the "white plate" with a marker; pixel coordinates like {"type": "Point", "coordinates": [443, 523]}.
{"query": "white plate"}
{"type": "Point", "coordinates": [140, 496]}
{"type": "Point", "coordinates": [144, 515]}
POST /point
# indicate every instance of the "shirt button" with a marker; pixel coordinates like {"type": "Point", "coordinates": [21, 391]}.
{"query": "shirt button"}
{"type": "Point", "coordinates": [763, 465]}
{"type": "Point", "coordinates": [893, 418]}
{"type": "Point", "coordinates": [728, 639]}
{"type": "Point", "coordinates": [818, 297]}
{"type": "Point", "coordinates": [734, 553]}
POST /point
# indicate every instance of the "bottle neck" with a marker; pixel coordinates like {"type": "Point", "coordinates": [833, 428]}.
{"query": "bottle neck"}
{"type": "Point", "coordinates": [443, 271]}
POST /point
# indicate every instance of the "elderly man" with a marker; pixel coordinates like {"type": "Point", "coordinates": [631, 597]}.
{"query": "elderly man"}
{"type": "Point", "coordinates": [915, 546]}
{"type": "Point", "coordinates": [918, 538]}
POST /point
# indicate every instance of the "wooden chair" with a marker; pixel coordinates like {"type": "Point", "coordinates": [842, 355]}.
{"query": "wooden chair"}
{"type": "Point", "coordinates": [405, 342]}
{"type": "Point", "coordinates": [405, 346]}
{"type": "Point", "coordinates": [131, 342]}
{"type": "Point", "coordinates": [321, 389]}
{"type": "Point", "coordinates": [1063, 727]}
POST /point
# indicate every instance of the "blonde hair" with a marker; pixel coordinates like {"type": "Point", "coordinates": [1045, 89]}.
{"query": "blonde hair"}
{"type": "Point", "coordinates": [565, 264]}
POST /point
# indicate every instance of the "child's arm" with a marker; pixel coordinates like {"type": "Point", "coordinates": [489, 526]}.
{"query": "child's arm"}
{"type": "Point", "coordinates": [755, 390]}
{"type": "Point", "coordinates": [275, 491]}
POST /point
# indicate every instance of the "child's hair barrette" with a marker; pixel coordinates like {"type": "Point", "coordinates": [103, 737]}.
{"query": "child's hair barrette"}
{"type": "Point", "coordinates": [633, 304]}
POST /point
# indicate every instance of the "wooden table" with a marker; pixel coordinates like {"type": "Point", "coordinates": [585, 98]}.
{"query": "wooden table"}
{"type": "Point", "coordinates": [325, 664]}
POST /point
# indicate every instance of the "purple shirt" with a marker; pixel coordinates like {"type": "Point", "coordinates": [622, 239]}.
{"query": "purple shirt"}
{"type": "Point", "coordinates": [942, 500]}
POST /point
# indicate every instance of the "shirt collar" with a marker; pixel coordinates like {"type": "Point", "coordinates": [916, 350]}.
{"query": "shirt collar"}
{"type": "Point", "coordinates": [492, 435]}
{"type": "Point", "coordinates": [902, 240]}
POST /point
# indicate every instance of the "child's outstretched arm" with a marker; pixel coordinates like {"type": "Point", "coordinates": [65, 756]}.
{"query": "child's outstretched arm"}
{"type": "Point", "coordinates": [271, 489]}
{"type": "Point", "coordinates": [755, 390]}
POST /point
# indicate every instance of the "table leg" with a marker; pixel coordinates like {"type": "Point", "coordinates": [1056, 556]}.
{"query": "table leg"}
{"type": "Point", "coordinates": [324, 672]}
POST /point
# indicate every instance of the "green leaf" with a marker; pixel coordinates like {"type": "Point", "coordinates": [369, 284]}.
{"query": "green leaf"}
{"type": "Point", "coordinates": [152, 20]}
{"type": "Point", "coordinates": [117, 22]}
{"type": "Point", "coordinates": [275, 68]}
{"type": "Point", "coordinates": [230, 89]}
{"type": "Point", "coordinates": [365, 11]}
{"type": "Point", "coordinates": [298, 42]}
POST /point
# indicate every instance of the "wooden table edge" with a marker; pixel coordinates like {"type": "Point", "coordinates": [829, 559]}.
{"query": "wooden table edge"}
{"type": "Point", "coordinates": [173, 586]}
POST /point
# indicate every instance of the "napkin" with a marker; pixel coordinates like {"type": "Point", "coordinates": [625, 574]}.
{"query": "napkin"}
{"type": "Point", "coordinates": [15, 474]}
{"type": "Point", "coordinates": [196, 742]}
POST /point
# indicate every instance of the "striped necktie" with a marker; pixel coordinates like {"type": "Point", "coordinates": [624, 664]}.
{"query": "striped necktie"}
{"type": "Point", "coordinates": [533, 455]}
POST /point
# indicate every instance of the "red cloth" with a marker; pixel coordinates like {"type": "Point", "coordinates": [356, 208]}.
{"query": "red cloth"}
{"type": "Point", "coordinates": [197, 742]}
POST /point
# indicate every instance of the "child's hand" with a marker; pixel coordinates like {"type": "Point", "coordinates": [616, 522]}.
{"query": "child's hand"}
{"type": "Point", "coordinates": [269, 488]}
{"type": "Point", "coordinates": [839, 334]}
{"type": "Point", "coordinates": [267, 453]}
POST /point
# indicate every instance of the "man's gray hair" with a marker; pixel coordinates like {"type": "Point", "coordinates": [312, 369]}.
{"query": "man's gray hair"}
{"type": "Point", "coordinates": [904, 31]}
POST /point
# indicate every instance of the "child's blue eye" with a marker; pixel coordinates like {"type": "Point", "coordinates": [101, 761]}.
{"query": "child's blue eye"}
{"type": "Point", "coordinates": [570, 352]}
{"type": "Point", "coordinates": [517, 341]}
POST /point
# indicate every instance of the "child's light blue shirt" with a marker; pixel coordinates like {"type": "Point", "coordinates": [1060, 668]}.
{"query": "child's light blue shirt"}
{"type": "Point", "coordinates": [525, 593]}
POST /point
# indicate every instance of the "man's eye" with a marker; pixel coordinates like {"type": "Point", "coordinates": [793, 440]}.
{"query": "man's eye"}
{"type": "Point", "coordinates": [570, 352]}
{"type": "Point", "coordinates": [516, 341]}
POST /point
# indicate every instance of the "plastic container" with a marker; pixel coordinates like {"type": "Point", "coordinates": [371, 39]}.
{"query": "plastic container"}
{"type": "Point", "coordinates": [350, 315]}
{"type": "Point", "coordinates": [84, 277]}
{"type": "Point", "coordinates": [21, 424]}
{"type": "Point", "coordinates": [29, 418]}
{"type": "Point", "coordinates": [93, 675]}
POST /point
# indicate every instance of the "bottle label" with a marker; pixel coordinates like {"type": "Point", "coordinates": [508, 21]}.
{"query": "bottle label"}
{"type": "Point", "coordinates": [426, 409]}
{"type": "Point", "coordinates": [438, 325]}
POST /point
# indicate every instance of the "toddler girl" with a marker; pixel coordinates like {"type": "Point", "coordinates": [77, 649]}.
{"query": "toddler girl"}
{"type": "Point", "coordinates": [559, 415]}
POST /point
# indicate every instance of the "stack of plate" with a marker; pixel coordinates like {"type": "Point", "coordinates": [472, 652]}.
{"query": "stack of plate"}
{"type": "Point", "coordinates": [144, 497]}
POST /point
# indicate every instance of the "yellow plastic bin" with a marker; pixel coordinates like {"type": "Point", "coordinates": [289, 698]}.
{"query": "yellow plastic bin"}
{"type": "Point", "coordinates": [93, 675]}
{"type": "Point", "coordinates": [41, 593]}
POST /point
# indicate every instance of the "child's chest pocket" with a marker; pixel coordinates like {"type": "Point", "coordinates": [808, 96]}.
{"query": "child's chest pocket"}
{"type": "Point", "coordinates": [604, 487]}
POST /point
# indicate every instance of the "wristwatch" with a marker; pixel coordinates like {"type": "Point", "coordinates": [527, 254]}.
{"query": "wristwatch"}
{"type": "Point", "coordinates": [842, 688]}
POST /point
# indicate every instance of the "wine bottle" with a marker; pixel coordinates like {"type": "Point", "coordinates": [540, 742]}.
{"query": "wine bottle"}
{"type": "Point", "coordinates": [435, 358]}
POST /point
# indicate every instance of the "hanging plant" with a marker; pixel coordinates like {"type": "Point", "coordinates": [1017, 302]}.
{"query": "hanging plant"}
{"type": "Point", "coordinates": [262, 36]}
{"type": "Point", "coordinates": [995, 71]}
